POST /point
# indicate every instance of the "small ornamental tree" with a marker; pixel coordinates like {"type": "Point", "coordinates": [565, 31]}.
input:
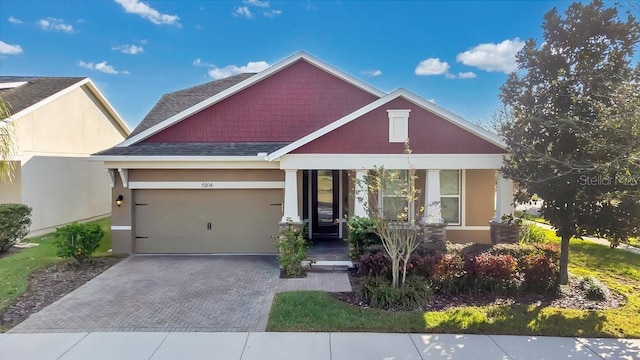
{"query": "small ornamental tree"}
{"type": "Point", "coordinates": [573, 124]}
{"type": "Point", "coordinates": [391, 207]}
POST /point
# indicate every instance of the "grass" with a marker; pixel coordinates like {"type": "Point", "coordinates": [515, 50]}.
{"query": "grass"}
{"type": "Point", "coordinates": [619, 270]}
{"type": "Point", "coordinates": [531, 217]}
{"type": "Point", "coordinates": [15, 269]}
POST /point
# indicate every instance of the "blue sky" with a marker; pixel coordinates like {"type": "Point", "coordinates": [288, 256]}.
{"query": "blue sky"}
{"type": "Point", "coordinates": [456, 54]}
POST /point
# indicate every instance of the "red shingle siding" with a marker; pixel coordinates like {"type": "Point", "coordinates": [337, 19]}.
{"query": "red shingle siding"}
{"type": "Point", "coordinates": [428, 134]}
{"type": "Point", "coordinates": [284, 107]}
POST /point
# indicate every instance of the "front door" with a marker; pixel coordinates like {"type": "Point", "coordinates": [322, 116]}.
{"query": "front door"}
{"type": "Point", "coordinates": [324, 203]}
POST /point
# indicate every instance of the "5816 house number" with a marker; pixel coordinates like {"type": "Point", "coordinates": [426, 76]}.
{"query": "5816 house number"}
{"type": "Point", "coordinates": [207, 185]}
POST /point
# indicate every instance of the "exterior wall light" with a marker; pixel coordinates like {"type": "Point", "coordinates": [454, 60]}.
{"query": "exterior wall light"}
{"type": "Point", "coordinates": [119, 200]}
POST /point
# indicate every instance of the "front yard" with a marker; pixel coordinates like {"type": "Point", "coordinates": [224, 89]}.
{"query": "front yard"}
{"type": "Point", "coordinates": [617, 269]}
{"type": "Point", "coordinates": [34, 277]}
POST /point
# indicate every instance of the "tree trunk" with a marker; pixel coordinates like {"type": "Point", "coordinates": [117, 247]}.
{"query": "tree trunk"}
{"type": "Point", "coordinates": [395, 270]}
{"type": "Point", "coordinates": [564, 260]}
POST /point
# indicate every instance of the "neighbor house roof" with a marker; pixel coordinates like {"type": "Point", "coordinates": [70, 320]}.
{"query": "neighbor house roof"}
{"type": "Point", "coordinates": [34, 90]}
{"type": "Point", "coordinates": [194, 149]}
{"type": "Point", "coordinates": [26, 93]}
{"type": "Point", "coordinates": [173, 103]}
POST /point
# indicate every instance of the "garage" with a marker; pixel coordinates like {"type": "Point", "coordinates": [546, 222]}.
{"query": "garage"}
{"type": "Point", "coordinates": [206, 221]}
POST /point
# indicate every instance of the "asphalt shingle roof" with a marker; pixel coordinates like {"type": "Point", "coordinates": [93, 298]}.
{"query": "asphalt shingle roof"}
{"type": "Point", "coordinates": [35, 90]}
{"type": "Point", "coordinates": [172, 103]}
{"type": "Point", "coordinates": [194, 149]}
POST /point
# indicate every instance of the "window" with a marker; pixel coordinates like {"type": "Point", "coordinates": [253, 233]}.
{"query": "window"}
{"type": "Point", "coordinates": [450, 196]}
{"type": "Point", "coordinates": [392, 199]}
{"type": "Point", "coordinates": [398, 125]}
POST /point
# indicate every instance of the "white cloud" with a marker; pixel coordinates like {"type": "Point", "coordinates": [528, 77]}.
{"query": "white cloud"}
{"type": "Point", "coordinates": [14, 20]}
{"type": "Point", "coordinates": [467, 75]}
{"type": "Point", "coordinates": [229, 70]}
{"type": "Point", "coordinates": [54, 24]}
{"type": "Point", "coordinates": [147, 12]}
{"type": "Point", "coordinates": [372, 73]}
{"type": "Point", "coordinates": [199, 62]}
{"type": "Point", "coordinates": [129, 49]}
{"type": "Point", "coordinates": [243, 11]}
{"type": "Point", "coordinates": [257, 3]}
{"type": "Point", "coordinates": [272, 13]}
{"type": "Point", "coordinates": [493, 57]}
{"type": "Point", "coordinates": [9, 49]}
{"type": "Point", "coordinates": [449, 75]}
{"type": "Point", "coordinates": [432, 66]}
{"type": "Point", "coordinates": [102, 66]}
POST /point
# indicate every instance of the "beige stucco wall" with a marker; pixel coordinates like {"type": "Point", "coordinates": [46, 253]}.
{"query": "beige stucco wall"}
{"type": "Point", "coordinates": [480, 197]}
{"type": "Point", "coordinates": [465, 236]}
{"type": "Point", "coordinates": [207, 175]}
{"type": "Point", "coordinates": [122, 216]}
{"type": "Point", "coordinates": [11, 192]}
{"type": "Point", "coordinates": [54, 142]}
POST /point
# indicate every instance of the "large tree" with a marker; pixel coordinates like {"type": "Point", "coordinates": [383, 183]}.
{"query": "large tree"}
{"type": "Point", "coordinates": [573, 128]}
{"type": "Point", "coordinates": [7, 143]}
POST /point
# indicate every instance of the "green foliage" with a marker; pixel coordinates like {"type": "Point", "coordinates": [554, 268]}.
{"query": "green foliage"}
{"type": "Point", "coordinates": [15, 220]}
{"type": "Point", "coordinates": [493, 274]}
{"type": "Point", "coordinates": [78, 241]}
{"type": "Point", "coordinates": [380, 294]}
{"type": "Point", "coordinates": [593, 288]}
{"type": "Point", "coordinates": [540, 273]}
{"type": "Point", "coordinates": [292, 250]}
{"type": "Point", "coordinates": [532, 233]}
{"type": "Point", "coordinates": [361, 236]}
{"type": "Point", "coordinates": [572, 121]}
{"type": "Point", "coordinates": [450, 276]}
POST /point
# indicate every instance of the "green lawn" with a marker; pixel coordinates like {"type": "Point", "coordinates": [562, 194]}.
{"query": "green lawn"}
{"type": "Point", "coordinates": [619, 270]}
{"type": "Point", "coordinates": [15, 269]}
{"type": "Point", "coordinates": [531, 217]}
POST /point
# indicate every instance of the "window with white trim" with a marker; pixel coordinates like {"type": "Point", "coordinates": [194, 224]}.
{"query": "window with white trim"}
{"type": "Point", "coordinates": [392, 201]}
{"type": "Point", "coordinates": [450, 204]}
{"type": "Point", "coordinates": [398, 125]}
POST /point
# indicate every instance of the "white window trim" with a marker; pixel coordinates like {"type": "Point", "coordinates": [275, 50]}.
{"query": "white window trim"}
{"type": "Point", "coordinates": [459, 196]}
{"type": "Point", "coordinates": [382, 195]}
{"type": "Point", "coordinates": [396, 116]}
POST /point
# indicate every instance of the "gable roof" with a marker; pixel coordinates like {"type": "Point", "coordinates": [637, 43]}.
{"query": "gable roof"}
{"type": "Point", "coordinates": [26, 94]}
{"type": "Point", "coordinates": [34, 90]}
{"type": "Point", "coordinates": [163, 149]}
{"type": "Point", "coordinates": [173, 103]}
{"type": "Point", "coordinates": [301, 56]}
{"type": "Point", "coordinates": [427, 105]}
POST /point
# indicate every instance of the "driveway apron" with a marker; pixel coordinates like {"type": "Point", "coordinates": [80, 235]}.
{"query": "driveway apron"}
{"type": "Point", "coordinates": [167, 293]}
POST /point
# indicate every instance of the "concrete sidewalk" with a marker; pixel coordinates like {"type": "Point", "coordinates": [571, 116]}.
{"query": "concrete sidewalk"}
{"type": "Point", "coordinates": [312, 346]}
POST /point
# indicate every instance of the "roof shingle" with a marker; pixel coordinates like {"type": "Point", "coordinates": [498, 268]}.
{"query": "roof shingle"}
{"type": "Point", "coordinates": [173, 103]}
{"type": "Point", "coordinates": [194, 149]}
{"type": "Point", "coordinates": [35, 90]}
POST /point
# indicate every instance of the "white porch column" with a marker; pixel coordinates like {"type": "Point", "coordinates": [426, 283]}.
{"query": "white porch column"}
{"type": "Point", "coordinates": [362, 194]}
{"type": "Point", "coordinates": [504, 198]}
{"type": "Point", "coordinates": [291, 196]}
{"type": "Point", "coordinates": [432, 205]}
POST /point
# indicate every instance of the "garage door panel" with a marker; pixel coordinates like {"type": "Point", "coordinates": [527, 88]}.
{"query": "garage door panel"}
{"type": "Point", "coordinates": [175, 221]}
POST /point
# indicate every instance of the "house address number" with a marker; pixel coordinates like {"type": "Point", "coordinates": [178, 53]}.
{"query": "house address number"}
{"type": "Point", "coordinates": [207, 184]}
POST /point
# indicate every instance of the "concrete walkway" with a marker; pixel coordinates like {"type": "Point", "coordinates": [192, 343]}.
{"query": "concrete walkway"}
{"type": "Point", "coordinates": [310, 346]}
{"type": "Point", "coordinates": [596, 240]}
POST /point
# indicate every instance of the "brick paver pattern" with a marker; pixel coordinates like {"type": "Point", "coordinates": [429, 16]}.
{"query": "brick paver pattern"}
{"type": "Point", "coordinates": [177, 293]}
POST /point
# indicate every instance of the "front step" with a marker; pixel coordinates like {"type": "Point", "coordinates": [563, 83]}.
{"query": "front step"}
{"type": "Point", "coordinates": [328, 266]}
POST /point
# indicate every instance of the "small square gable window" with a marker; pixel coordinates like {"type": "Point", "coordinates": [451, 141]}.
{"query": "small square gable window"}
{"type": "Point", "coordinates": [398, 125]}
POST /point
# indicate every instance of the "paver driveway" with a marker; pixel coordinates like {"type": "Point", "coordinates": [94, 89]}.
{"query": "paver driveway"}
{"type": "Point", "coordinates": [176, 293]}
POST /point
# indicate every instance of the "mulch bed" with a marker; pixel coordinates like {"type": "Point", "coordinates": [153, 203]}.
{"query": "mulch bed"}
{"type": "Point", "coordinates": [50, 284]}
{"type": "Point", "coordinates": [570, 297]}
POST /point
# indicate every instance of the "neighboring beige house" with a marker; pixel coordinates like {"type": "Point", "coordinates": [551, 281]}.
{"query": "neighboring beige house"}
{"type": "Point", "coordinates": [217, 168]}
{"type": "Point", "coordinates": [59, 122]}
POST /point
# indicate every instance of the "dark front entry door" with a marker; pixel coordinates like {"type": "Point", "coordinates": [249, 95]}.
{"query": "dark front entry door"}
{"type": "Point", "coordinates": [324, 203]}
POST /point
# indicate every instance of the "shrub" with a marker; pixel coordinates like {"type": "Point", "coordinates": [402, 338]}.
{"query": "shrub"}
{"type": "Point", "coordinates": [449, 275]}
{"type": "Point", "coordinates": [423, 265]}
{"type": "Point", "coordinates": [532, 233]}
{"type": "Point", "coordinates": [15, 220]}
{"type": "Point", "coordinates": [466, 249]}
{"type": "Point", "coordinates": [375, 264]}
{"type": "Point", "coordinates": [552, 251]}
{"type": "Point", "coordinates": [292, 250]}
{"type": "Point", "coordinates": [495, 274]}
{"type": "Point", "coordinates": [78, 241]}
{"type": "Point", "coordinates": [379, 293]}
{"type": "Point", "coordinates": [540, 273]}
{"type": "Point", "coordinates": [361, 236]}
{"type": "Point", "coordinates": [593, 288]}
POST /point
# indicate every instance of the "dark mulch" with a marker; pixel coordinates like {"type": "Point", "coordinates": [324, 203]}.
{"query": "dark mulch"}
{"type": "Point", "coordinates": [50, 284]}
{"type": "Point", "coordinates": [569, 297]}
